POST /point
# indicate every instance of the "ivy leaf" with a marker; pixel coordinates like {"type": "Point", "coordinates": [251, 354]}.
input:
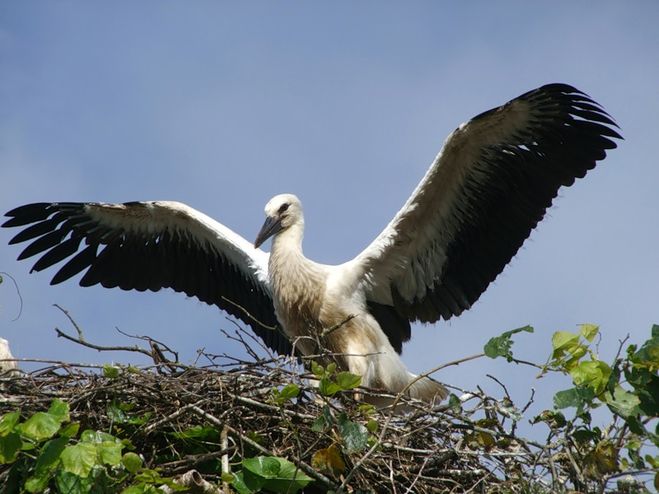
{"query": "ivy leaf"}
{"type": "Point", "coordinates": [501, 346]}
{"type": "Point", "coordinates": [116, 413]}
{"type": "Point", "coordinates": [132, 462]}
{"type": "Point", "coordinates": [91, 436]}
{"type": "Point", "coordinates": [347, 380]}
{"type": "Point", "coordinates": [72, 484]}
{"type": "Point", "coordinates": [355, 436]}
{"type": "Point", "coordinates": [592, 373]}
{"type": "Point", "coordinates": [70, 430]}
{"type": "Point", "coordinates": [454, 403]}
{"type": "Point", "coordinates": [46, 463]}
{"type": "Point", "coordinates": [10, 445]}
{"type": "Point", "coordinates": [323, 421]}
{"type": "Point", "coordinates": [110, 371]}
{"type": "Point", "coordinates": [327, 387]}
{"type": "Point", "coordinates": [202, 432]}
{"type": "Point", "coordinates": [8, 422]}
{"type": "Point", "coordinates": [79, 459]}
{"type": "Point", "coordinates": [574, 397]}
{"type": "Point", "coordinates": [109, 453]}
{"type": "Point", "coordinates": [286, 393]}
{"type": "Point", "coordinates": [564, 342]}
{"type": "Point", "coordinates": [60, 410]}
{"type": "Point", "coordinates": [40, 426]}
{"type": "Point", "coordinates": [239, 484]}
{"type": "Point", "coordinates": [589, 331]}
{"type": "Point", "coordinates": [623, 402]}
{"type": "Point", "coordinates": [317, 369]}
{"type": "Point", "coordinates": [273, 474]}
{"type": "Point", "coordinates": [263, 466]}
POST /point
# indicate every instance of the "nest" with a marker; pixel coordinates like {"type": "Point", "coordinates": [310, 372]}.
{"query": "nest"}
{"type": "Point", "coordinates": [464, 448]}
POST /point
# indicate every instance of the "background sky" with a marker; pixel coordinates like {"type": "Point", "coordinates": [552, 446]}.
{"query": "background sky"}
{"type": "Point", "coordinates": [222, 105]}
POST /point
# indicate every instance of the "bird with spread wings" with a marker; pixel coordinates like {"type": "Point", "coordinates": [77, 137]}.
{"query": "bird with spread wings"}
{"type": "Point", "coordinates": [486, 190]}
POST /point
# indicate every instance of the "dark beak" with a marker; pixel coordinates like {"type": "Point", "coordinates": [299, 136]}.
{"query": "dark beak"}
{"type": "Point", "coordinates": [269, 228]}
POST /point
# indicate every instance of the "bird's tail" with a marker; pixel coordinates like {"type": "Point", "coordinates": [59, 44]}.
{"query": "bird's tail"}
{"type": "Point", "coordinates": [426, 389]}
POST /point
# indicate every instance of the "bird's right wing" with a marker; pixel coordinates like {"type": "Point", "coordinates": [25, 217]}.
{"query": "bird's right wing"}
{"type": "Point", "coordinates": [487, 189]}
{"type": "Point", "coordinates": [149, 246]}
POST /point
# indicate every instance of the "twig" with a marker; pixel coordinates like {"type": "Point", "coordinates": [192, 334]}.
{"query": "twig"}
{"type": "Point", "coordinates": [18, 292]}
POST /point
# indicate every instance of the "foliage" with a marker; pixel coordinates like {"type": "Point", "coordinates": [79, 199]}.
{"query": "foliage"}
{"type": "Point", "coordinates": [270, 426]}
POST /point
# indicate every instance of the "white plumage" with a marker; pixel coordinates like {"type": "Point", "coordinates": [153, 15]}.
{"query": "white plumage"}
{"type": "Point", "coordinates": [7, 362]}
{"type": "Point", "coordinates": [483, 194]}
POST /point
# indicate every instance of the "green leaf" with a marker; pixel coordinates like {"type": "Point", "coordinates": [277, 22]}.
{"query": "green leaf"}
{"type": "Point", "coordinates": [589, 331]}
{"type": "Point", "coordinates": [291, 478]}
{"type": "Point", "coordinates": [8, 422]}
{"type": "Point", "coordinates": [110, 371]}
{"type": "Point", "coordinates": [454, 403]}
{"type": "Point", "coordinates": [40, 426]}
{"type": "Point", "coordinates": [10, 445]}
{"type": "Point", "coordinates": [501, 346]}
{"type": "Point", "coordinates": [574, 397]}
{"type": "Point", "coordinates": [37, 483]}
{"type": "Point", "coordinates": [60, 410]}
{"type": "Point", "coordinates": [324, 420]}
{"type": "Point", "coordinates": [202, 432]}
{"type": "Point", "coordinates": [564, 341]}
{"type": "Point", "coordinates": [319, 424]}
{"type": "Point", "coordinates": [239, 484]}
{"type": "Point", "coordinates": [275, 474]}
{"type": "Point", "coordinates": [91, 436]}
{"type": "Point", "coordinates": [70, 430]}
{"type": "Point", "coordinates": [623, 402]}
{"type": "Point", "coordinates": [73, 484]}
{"type": "Point", "coordinates": [263, 466]}
{"type": "Point", "coordinates": [567, 349]}
{"type": "Point", "coordinates": [46, 464]}
{"type": "Point", "coordinates": [116, 413]}
{"type": "Point", "coordinates": [317, 369]}
{"type": "Point", "coordinates": [346, 380]}
{"type": "Point", "coordinates": [286, 393]}
{"type": "Point", "coordinates": [366, 409]}
{"type": "Point", "coordinates": [109, 453]}
{"type": "Point", "coordinates": [132, 462]}
{"type": "Point", "coordinates": [592, 373]}
{"type": "Point", "coordinates": [79, 459]}
{"type": "Point", "coordinates": [355, 436]}
{"type": "Point", "coordinates": [327, 387]}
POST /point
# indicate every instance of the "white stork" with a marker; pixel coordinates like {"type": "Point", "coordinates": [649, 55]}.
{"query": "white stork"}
{"type": "Point", "coordinates": [485, 191]}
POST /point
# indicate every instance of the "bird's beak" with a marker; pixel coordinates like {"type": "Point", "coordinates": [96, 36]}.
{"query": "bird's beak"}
{"type": "Point", "coordinates": [269, 228]}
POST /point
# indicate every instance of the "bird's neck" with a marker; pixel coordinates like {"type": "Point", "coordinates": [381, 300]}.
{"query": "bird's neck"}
{"type": "Point", "coordinates": [286, 253]}
{"type": "Point", "coordinates": [291, 274]}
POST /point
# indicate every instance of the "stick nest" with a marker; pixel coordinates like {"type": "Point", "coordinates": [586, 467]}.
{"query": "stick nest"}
{"type": "Point", "coordinates": [210, 419]}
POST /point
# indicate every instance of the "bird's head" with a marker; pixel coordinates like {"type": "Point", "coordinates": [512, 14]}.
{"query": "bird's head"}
{"type": "Point", "coordinates": [282, 212]}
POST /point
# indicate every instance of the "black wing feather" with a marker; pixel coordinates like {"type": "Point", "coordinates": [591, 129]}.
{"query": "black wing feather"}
{"type": "Point", "coordinates": [142, 261]}
{"type": "Point", "coordinates": [515, 184]}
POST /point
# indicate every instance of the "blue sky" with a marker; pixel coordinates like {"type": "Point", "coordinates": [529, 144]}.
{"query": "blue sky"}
{"type": "Point", "coordinates": [223, 104]}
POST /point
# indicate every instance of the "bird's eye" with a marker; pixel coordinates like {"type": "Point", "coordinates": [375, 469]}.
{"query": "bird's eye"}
{"type": "Point", "coordinates": [283, 208]}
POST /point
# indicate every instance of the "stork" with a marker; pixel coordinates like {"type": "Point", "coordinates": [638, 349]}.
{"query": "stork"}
{"type": "Point", "coordinates": [488, 187]}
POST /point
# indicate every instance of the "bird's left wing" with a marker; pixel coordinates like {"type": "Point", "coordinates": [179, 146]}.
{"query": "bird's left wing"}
{"type": "Point", "coordinates": [487, 189]}
{"type": "Point", "coordinates": [149, 246]}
